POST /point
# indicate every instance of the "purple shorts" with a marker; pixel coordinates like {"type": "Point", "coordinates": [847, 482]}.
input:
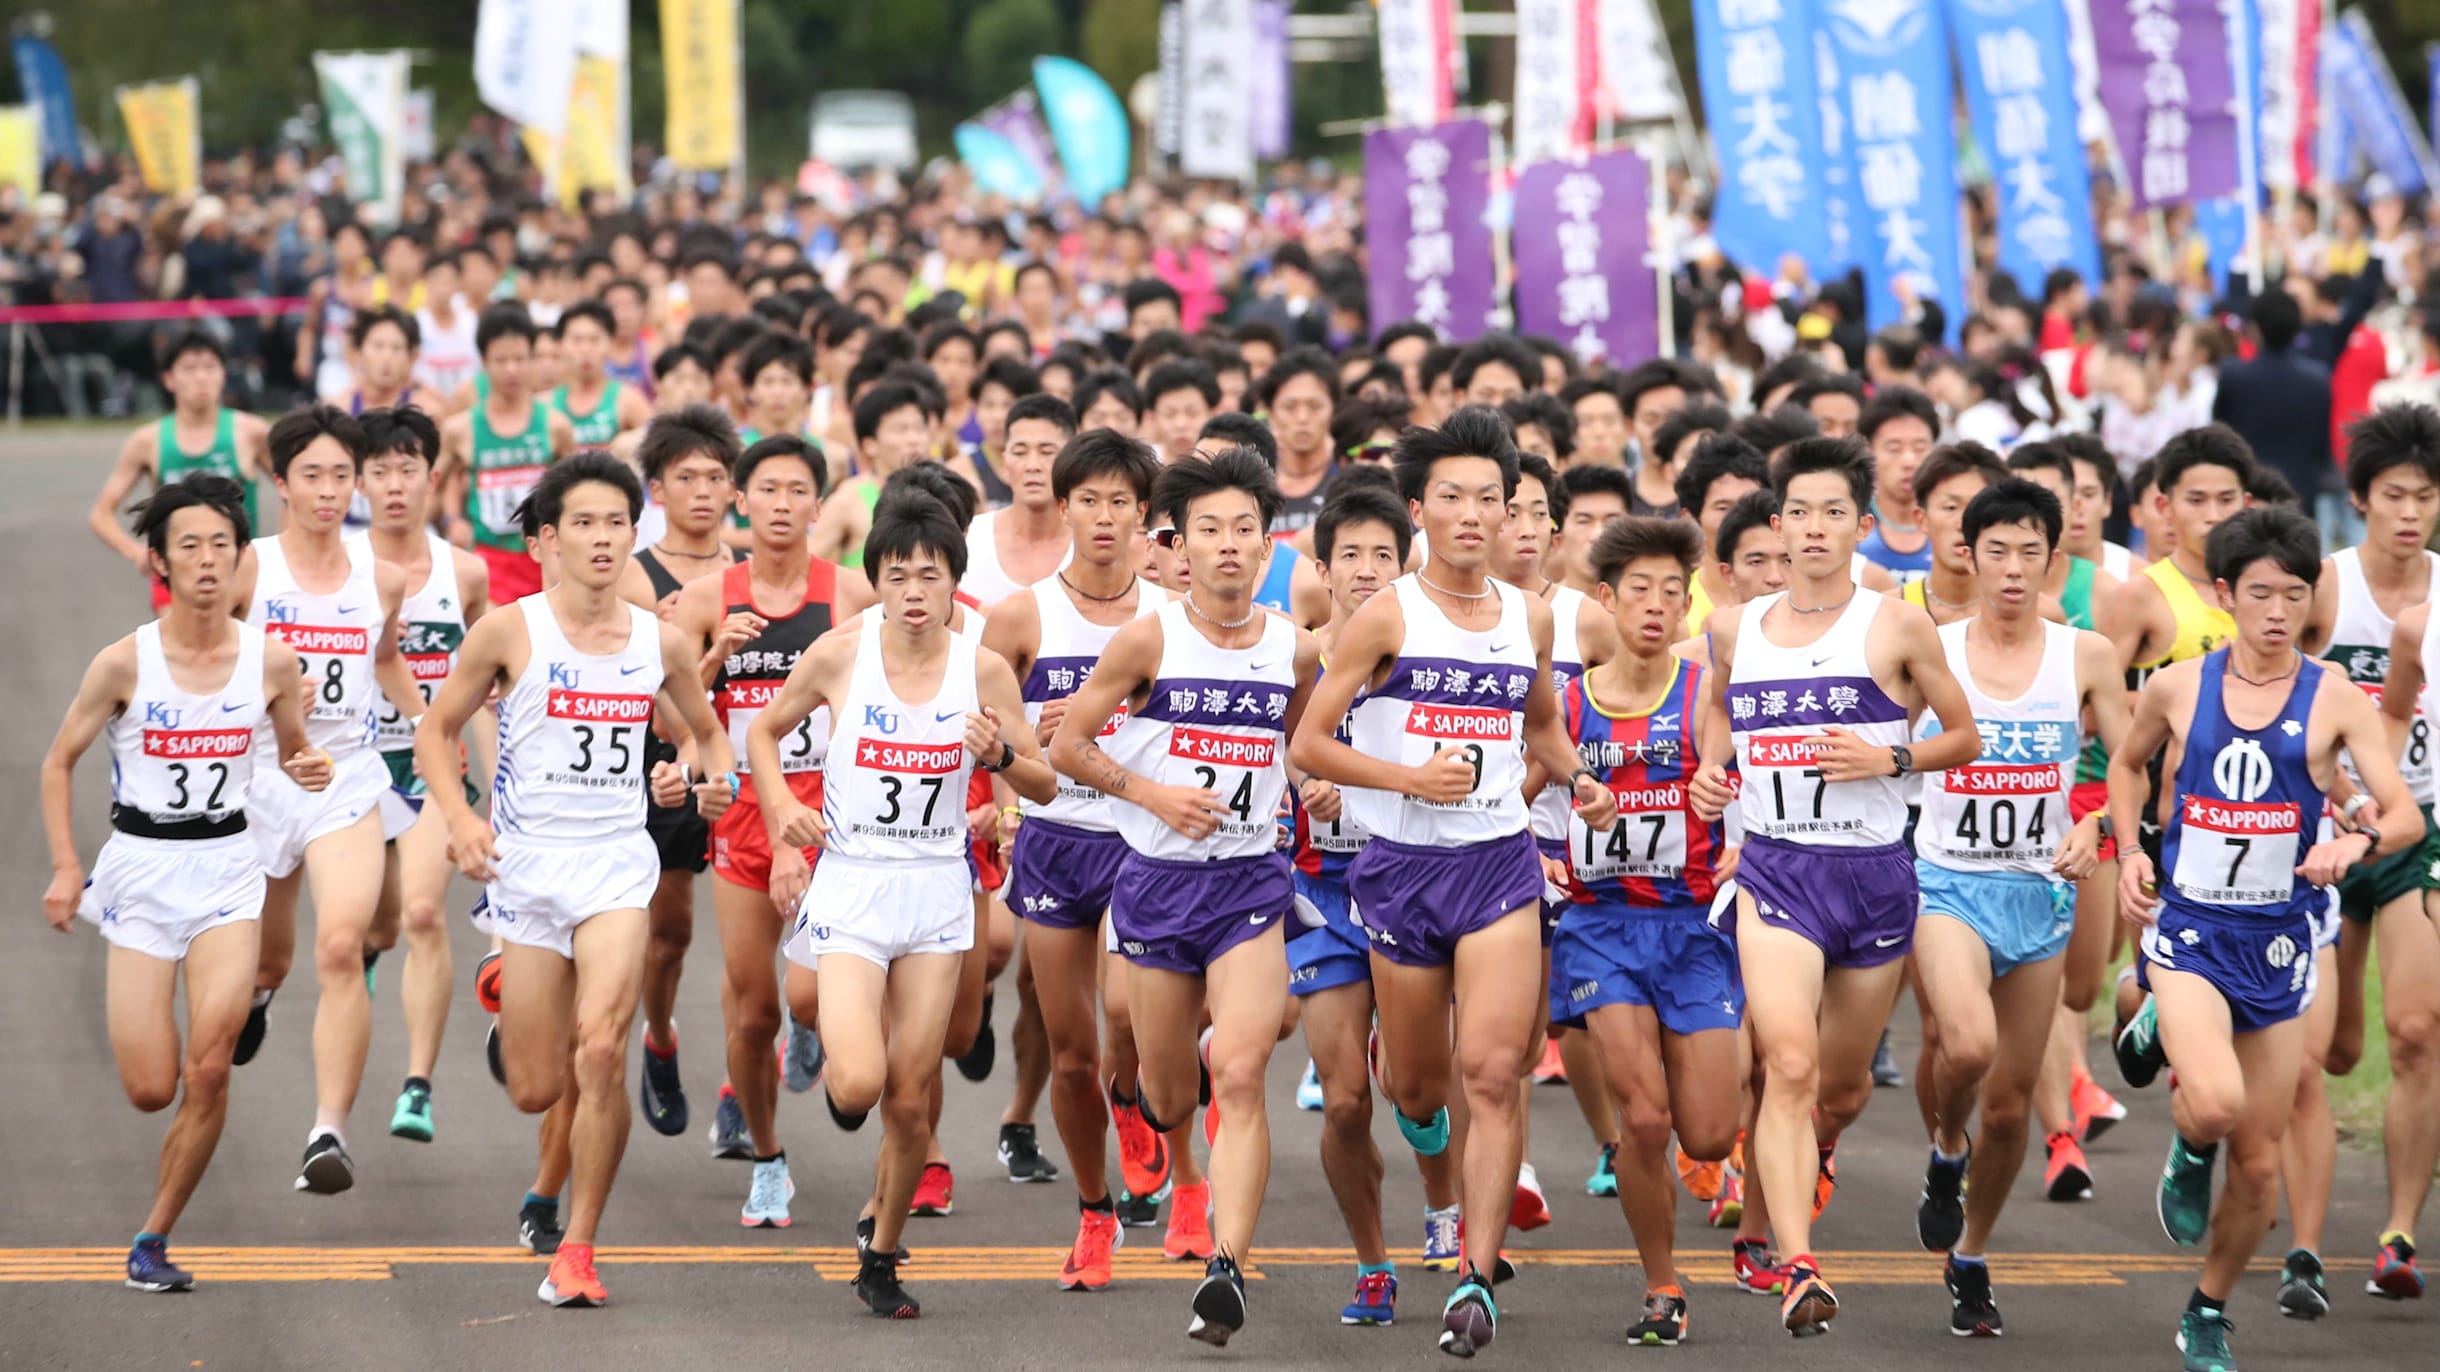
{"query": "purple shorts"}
{"type": "Point", "coordinates": [1181, 916]}
{"type": "Point", "coordinates": [1059, 876]}
{"type": "Point", "coordinates": [1415, 903]}
{"type": "Point", "coordinates": [1858, 905]}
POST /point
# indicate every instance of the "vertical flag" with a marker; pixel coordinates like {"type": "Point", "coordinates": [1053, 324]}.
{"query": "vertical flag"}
{"type": "Point", "coordinates": [1638, 76]}
{"type": "Point", "coordinates": [415, 127]}
{"type": "Point", "coordinates": [21, 149]}
{"type": "Point", "coordinates": [1893, 58]}
{"type": "Point", "coordinates": [1088, 125]}
{"type": "Point", "coordinates": [705, 89]}
{"type": "Point", "coordinates": [525, 60]}
{"type": "Point", "coordinates": [364, 96]}
{"type": "Point", "coordinates": [1019, 120]}
{"type": "Point", "coordinates": [2170, 88]}
{"type": "Point", "coordinates": [2278, 96]}
{"type": "Point", "coordinates": [1418, 50]}
{"type": "Point", "coordinates": [2020, 93]}
{"type": "Point", "coordinates": [2311, 24]}
{"type": "Point", "coordinates": [1837, 168]}
{"type": "Point", "coordinates": [1755, 59]}
{"type": "Point", "coordinates": [1425, 196]}
{"type": "Point", "coordinates": [1171, 118]}
{"type": "Point", "coordinates": [1553, 119]}
{"type": "Point", "coordinates": [44, 80]}
{"type": "Point", "coordinates": [1216, 133]}
{"type": "Point", "coordinates": [1581, 246]}
{"type": "Point", "coordinates": [1273, 79]}
{"type": "Point", "coordinates": [165, 125]}
{"type": "Point", "coordinates": [2368, 99]}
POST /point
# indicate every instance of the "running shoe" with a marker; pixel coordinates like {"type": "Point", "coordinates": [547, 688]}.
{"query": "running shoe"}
{"type": "Point", "coordinates": [149, 1268]}
{"type": "Point", "coordinates": [1470, 1319]}
{"type": "Point", "coordinates": [1728, 1207]}
{"type": "Point", "coordinates": [491, 1054]}
{"type": "Point", "coordinates": [372, 977]}
{"type": "Point", "coordinates": [1809, 1305]}
{"type": "Point", "coordinates": [1021, 1154]}
{"type": "Point", "coordinates": [2394, 1276]}
{"type": "Point", "coordinates": [572, 1280]}
{"type": "Point", "coordinates": [2185, 1193]}
{"type": "Point", "coordinates": [2096, 1111]}
{"type": "Point", "coordinates": [1309, 1088]}
{"type": "Point", "coordinates": [877, 1286]}
{"type": "Point", "coordinates": [1143, 1156]}
{"type": "Point", "coordinates": [1503, 1269]}
{"type": "Point", "coordinates": [1972, 1312]}
{"type": "Point", "coordinates": [1825, 1180]}
{"type": "Point", "coordinates": [2066, 1177]}
{"type": "Point", "coordinates": [801, 1061]}
{"type": "Point", "coordinates": [1440, 1239]}
{"type": "Point", "coordinates": [1940, 1216]}
{"type": "Point", "coordinates": [1757, 1272]}
{"type": "Point", "coordinates": [1664, 1321]}
{"type": "Point", "coordinates": [538, 1228]}
{"type": "Point", "coordinates": [1219, 1303]}
{"type": "Point", "coordinates": [661, 1093]}
{"type": "Point", "coordinates": [1141, 1212]}
{"type": "Point", "coordinates": [976, 1062]}
{"type": "Point", "coordinates": [1088, 1261]}
{"type": "Point", "coordinates": [1376, 1301]}
{"type": "Point", "coordinates": [250, 1038]}
{"type": "Point", "coordinates": [1885, 1071]}
{"type": "Point", "coordinates": [935, 1191]}
{"type": "Point", "coordinates": [2304, 1292]}
{"type": "Point", "coordinates": [1190, 1223]}
{"type": "Point", "coordinates": [767, 1199]}
{"type": "Point", "coordinates": [1701, 1179]}
{"type": "Point", "coordinates": [2138, 1048]}
{"type": "Point", "coordinates": [864, 1244]}
{"type": "Point", "coordinates": [1552, 1069]}
{"type": "Point", "coordinates": [2202, 1335]}
{"type": "Point", "coordinates": [327, 1169]}
{"type": "Point", "coordinates": [412, 1118]}
{"type": "Point", "coordinates": [729, 1136]}
{"type": "Point", "coordinates": [1604, 1181]}
{"type": "Point", "coordinates": [1530, 1209]}
{"type": "Point", "coordinates": [487, 982]}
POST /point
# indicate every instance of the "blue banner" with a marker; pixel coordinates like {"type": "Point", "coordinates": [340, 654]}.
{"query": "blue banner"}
{"type": "Point", "coordinates": [1893, 58]}
{"type": "Point", "coordinates": [1088, 125]}
{"type": "Point", "coordinates": [996, 163]}
{"type": "Point", "coordinates": [2020, 93]}
{"type": "Point", "coordinates": [1762, 102]}
{"type": "Point", "coordinates": [2366, 98]}
{"type": "Point", "coordinates": [2221, 224]}
{"type": "Point", "coordinates": [1837, 169]}
{"type": "Point", "coordinates": [43, 79]}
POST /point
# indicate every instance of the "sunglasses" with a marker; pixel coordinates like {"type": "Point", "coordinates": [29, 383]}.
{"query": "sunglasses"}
{"type": "Point", "coordinates": [1372, 452]}
{"type": "Point", "coordinates": [1166, 536]}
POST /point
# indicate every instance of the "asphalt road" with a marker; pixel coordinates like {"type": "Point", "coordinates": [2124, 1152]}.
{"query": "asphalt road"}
{"type": "Point", "coordinates": [416, 1268]}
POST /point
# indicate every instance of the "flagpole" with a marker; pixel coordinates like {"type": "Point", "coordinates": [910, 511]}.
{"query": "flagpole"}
{"type": "Point", "coordinates": [1660, 233]}
{"type": "Point", "coordinates": [737, 164]}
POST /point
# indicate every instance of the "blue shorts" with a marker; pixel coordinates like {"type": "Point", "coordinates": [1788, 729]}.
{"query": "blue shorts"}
{"type": "Point", "coordinates": [1332, 953]}
{"type": "Point", "coordinates": [1675, 961]}
{"type": "Point", "coordinates": [2022, 917]}
{"type": "Point", "coordinates": [2263, 968]}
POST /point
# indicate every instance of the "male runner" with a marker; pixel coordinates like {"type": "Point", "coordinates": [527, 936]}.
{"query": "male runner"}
{"type": "Point", "coordinates": [598, 405]}
{"type": "Point", "coordinates": [776, 370]}
{"type": "Point", "coordinates": [1018, 547]}
{"type": "Point", "coordinates": [448, 589]}
{"type": "Point", "coordinates": [895, 886]}
{"type": "Point", "coordinates": [1724, 470]}
{"type": "Point", "coordinates": [892, 431]}
{"type": "Point", "coordinates": [2096, 484]}
{"type": "Point", "coordinates": [1995, 853]}
{"type": "Point", "coordinates": [1596, 495]}
{"type": "Point", "coordinates": [1211, 685]}
{"type": "Point", "coordinates": [178, 882]}
{"type": "Point", "coordinates": [1901, 424]}
{"type": "Point", "coordinates": [493, 454]}
{"type": "Point", "coordinates": [1826, 894]}
{"type": "Point", "coordinates": [1454, 670]}
{"type": "Point", "coordinates": [197, 435]}
{"type": "Point", "coordinates": [382, 344]}
{"type": "Point", "coordinates": [2253, 732]}
{"type": "Point", "coordinates": [2160, 615]}
{"type": "Point", "coordinates": [1945, 483]}
{"type": "Point", "coordinates": [567, 866]}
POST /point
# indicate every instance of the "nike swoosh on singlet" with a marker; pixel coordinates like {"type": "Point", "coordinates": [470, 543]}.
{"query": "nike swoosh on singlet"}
{"type": "Point", "coordinates": [351, 609]}
{"type": "Point", "coordinates": [631, 671]}
{"type": "Point", "coordinates": [943, 719]}
{"type": "Point", "coordinates": [1499, 647]}
{"type": "Point", "coordinates": [1820, 660]}
{"type": "Point", "coordinates": [226, 709]}
{"type": "Point", "coordinates": [1261, 666]}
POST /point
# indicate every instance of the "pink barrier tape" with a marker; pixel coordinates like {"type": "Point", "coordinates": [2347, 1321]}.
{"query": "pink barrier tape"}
{"type": "Point", "coordinates": [152, 310]}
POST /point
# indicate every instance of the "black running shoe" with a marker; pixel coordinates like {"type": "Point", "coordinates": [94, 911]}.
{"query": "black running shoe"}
{"type": "Point", "coordinates": [976, 1062]}
{"type": "Point", "coordinates": [1663, 1324]}
{"type": "Point", "coordinates": [1022, 1155]}
{"type": "Point", "coordinates": [327, 1169]}
{"type": "Point", "coordinates": [662, 1094]}
{"type": "Point", "coordinates": [877, 1286]}
{"type": "Point", "coordinates": [2304, 1292]}
{"type": "Point", "coordinates": [864, 1244]}
{"type": "Point", "coordinates": [1972, 1314]}
{"type": "Point", "coordinates": [2138, 1048]}
{"type": "Point", "coordinates": [1138, 1212]}
{"type": "Point", "coordinates": [538, 1227]}
{"type": "Point", "coordinates": [1219, 1303]}
{"type": "Point", "coordinates": [250, 1038]}
{"type": "Point", "coordinates": [491, 1054]}
{"type": "Point", "coordinates": [1940, 1217]}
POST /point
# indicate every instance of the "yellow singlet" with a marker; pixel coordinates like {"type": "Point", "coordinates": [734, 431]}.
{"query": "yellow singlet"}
{"type": "Point", "coordinates": [1698, 608]}
{"type": "Point", "coordinates": [2200, 627]}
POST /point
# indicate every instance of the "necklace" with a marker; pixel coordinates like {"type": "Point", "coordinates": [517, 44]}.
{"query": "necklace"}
{"type": "Point", "coordinates": [1484, 594]}
{"type": "Point", "coordinates": [665, 550]}
{"type": "Point", "coordinates": [1823, 609]}
{"type": "Point", "coordinates": [1128, 590]}
{"type": "Point", "coordinates": [1940, 600]}
{"type": "Point", "coordinates": [2295, 662]}
{"type": "Point", "coordinates": [1197, 611]}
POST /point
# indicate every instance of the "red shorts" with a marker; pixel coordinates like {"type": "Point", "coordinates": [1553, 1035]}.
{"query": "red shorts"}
{"type": "Point", "coordinates": [2086, 797]}
{"type": "Point", "coordinates": [514, 576]}
{"type": "Point", "coordinates": [983, 849]}
{"type": "Point", "coordinates": [741, 848]}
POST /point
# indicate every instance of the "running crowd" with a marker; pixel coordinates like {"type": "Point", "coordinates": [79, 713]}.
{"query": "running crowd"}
{"type": "Point", "coordinates": [1471, 713]}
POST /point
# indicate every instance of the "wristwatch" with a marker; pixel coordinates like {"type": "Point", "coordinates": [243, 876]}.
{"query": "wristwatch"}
{"type": "Point", "coordinates": [1903, 758]}
{"type": "Point", "coordinates": [2107, 830]}
{"type": "Point", "coordinates": [1008, 754]}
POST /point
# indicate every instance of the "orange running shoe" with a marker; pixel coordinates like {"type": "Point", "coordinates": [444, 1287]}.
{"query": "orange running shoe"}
{"type": "Point", "coordinates": [1810, 1304]}
{"type": "Point", "coordinates": [572, 1280]}
{"type": "Point", "coordinates": [1530, 1210]}
{"type": "Point", "coordinates": [487, 983]}
{"type": "Point", "coordinates": [1552, 1069]}
{"type": "Point", "coordinates": [1143, 1156]}
{"type": "Point", "coordinates": [935, 1191]}
{"type": "Point", "coordinates": [1825, 1185]}
{"type": "Point", "coordinates": [2066, 1177]}
{"type": "Point", "coordinates": [1190, 1223]}
{"type": "Point", "coordinates": [2096, 1111]}
{"type": "Point", "coordinates": [1701, 1179]}
{"type": "Point", "coordinates": [1088, 1262]}
{"type": "Point", "coordinates": [1728, 1207]}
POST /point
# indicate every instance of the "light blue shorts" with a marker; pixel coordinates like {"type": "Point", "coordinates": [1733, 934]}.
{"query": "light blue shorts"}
{"type": "Point", "coordinates": [2021, 917]}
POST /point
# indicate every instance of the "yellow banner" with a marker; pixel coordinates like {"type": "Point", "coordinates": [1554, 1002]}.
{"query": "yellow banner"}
{"type": "Point", "coordinates": [21, 150]}
{"type": "Point", "coordinates": [699, 59]}
{"type": "Point", "coordinates": [587, 159]}
{"type": "Point", "coordinates": [164, 122]}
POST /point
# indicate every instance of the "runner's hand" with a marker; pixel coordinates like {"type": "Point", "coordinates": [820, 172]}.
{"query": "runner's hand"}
{"type": "Point", "coordinates": [2080, 855]}
{"type": "Point", "coordinates": [714, 795]}
{"type": "Point", "coordinates": [470, 847]}
{"type": "Point", "coordinates": [309, 768]}
{"type": "Point", "coordinates": [1445, 780]}
{"type": "Point", "coordinates": [59, 900]}
{"type": "Point", "coordinates": [801, 826]}
{"type": "Point", "coordinates": [1554, 870]}
{"type": "Point", "coordinates": [2325, 863]}
{"type": "Point", "coordinates": [2138, 888]}
{"type": "Point", "coordinates": [983, 734]}
{"type": "Point", "coordinates": [791, 876]}
{"type": "Point", "coordinates": [1724, 867]}
{"type": "Point", "coordinates": [1596, 804]}
{"type": "Point", "coordinates": [1711, 795]}
{"type": "Point", "coordinates": [1010, 818]}
{"type": "Point", "coordinates": [1190, 810]}
{"type": "Point", "coordinates": [1842, 756]}
{"type": "Point", "coordinates": [668, 785]}
{"type": "Point", "coordinates": [1053, 711]}
{"type": "Point", "coordinates": [736, 631]}
{"type": "Point", "coordinates": [1322, 800]}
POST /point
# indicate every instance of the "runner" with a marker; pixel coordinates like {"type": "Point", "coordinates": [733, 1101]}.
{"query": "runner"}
{"type": "Point", "coordinates": [598, 405]}
{"type": "Point", "coordinates": [177, 884]}
{"type": "Point", "coordinates": [448, 589]}
{"type": "Point", "coordinates": [1826, 895]}
{"type": "Point", "coordinates": [1015, 548]}
{"type": "Point", "coordinates": [1450, 887]}
{"type": "Point", "coordinates": [895, 883]}
{"type": "Point", "coordinates": [492, 455]}
{"type": "Point", "coordinates": [2228, 938]}
{"type": "Point", "coordinates": [1723, 470]}
{"type": "Point", "coordinates": [1991, 849]}
{"type": "Point", "coordinates": [2160, 615]}
{"type": "Point", "coordinates": [776, 370]}
{"type": "Point", "coordinates": [382, 345]}
{"type": "Point", "coordinates": [339, 607]}
{"type": "Point", "coordinates": [1290, 584]}
{"type": "Point", "coordinates": [1947, 481]}
{"type": "Point", "coordinates": [1211, 686]}
{"type": "Point", "coordinates": [893, 429]}
{"type": "Point", "coordinates": [565, 861]}
{"type": "Point", "coordinates": [1596, 496]}
{"type": "Point", "coordinates": [2096, 485]}
{"type": "Point", "coordinates": [197, 435]}
{"type": "Point", "coordinates": [1065, 853]}
{"type": "Point", "coordinates": [1900, 424]}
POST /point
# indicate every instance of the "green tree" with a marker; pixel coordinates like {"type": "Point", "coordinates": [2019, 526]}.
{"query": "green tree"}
{"type": "Point", "coordinates": [1003, 37]}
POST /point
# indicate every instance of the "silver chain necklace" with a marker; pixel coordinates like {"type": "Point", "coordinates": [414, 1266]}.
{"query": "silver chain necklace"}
{"type": "Point", "coordinates": [1197, 611]}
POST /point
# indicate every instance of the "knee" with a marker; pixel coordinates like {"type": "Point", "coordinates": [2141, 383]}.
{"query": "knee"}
{"type": "Point", "coordinates": [2253, 1165]}
{"type": "Point", "coordinates": [2007, 1117]}
{"type": "Point", "coordinates": [1648, 1130]}
{"type": "Point", "coordinates": [339, 953]}
{"type": "Point", "coordinates": [152, 1096]}
{"type": "Point", "coordinates": [1073, 1063]}
{"type": "Point", "coordinates": [424, 919]}
{"type": "Point", "coordinates": [1347, 1113]}
{"type": "Point", "coordinates": [2414, 1044]}
{"type": "Point", "coordinates": [534, 1092]}
{"type": "Point", "coordinates": [600, 1056]}
{"type": "Point", "coordinates": [906, 1107]}
{"type": "Point", "coordinates": [207, 1080]}
{"type": "Point", "coordinates": [1707, 1137]}
{"type": "Point", "coordinates": [1968, 1051]}
{"type": "Point", "coordinates": [854, 1087]}
{"type": "Point", "coordinates": [754, 1013]}
{"type": "Point", "coordinates": [2212, 1113]}
{"type": "Point", "coordinates": [1792, 1070]}
{"type": "Point", "coordinates": [1237, 1079]}
{"type": "Point", "coordinates": [1489, 1076]}
{"type": "Point", "coordinates": [1839, 1105]}
{"type": "Point", "coordinates": [670, 939]}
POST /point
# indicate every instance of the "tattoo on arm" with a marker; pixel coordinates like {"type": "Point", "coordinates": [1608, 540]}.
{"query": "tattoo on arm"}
{"type": "Point", "coordinates": [1107, 776]}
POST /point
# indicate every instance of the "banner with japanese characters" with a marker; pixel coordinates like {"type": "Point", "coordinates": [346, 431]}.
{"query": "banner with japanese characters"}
{"type": "Point", "coordinates": [1428, 238]}
{"type": "Point", "coordinates": [1757, 66]}
{"type": "Point", "coordinates": [1216, 128]}
{"type": "Point", "coordinates": [1837, 169]}
{"type": "Point", "coordinates": [1893, 58]}
{"type": "Point", "coordinates": [2020, 94]}
{"type": "Point", "coordinates": [2367, 95]}
{"type": "Point", "coordinates": [1581, 245]}
{"type": "Point", "coordinates": [2168, 80]}
{"type": "Point", "coordinates": [1418, 46]}
{"type": "Point", "coordinates": [1273, 78]}
{"type": "Point", "coordinates": [1554, 86]}
{"type": "Point", "coordinates": [1638, 77]}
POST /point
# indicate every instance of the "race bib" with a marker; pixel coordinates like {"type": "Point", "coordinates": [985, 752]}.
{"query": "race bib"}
{"type": "Point", "coordinates": [801, 749]}
{"type": "Point", "coordinates": [1644, 842]}
{"type": "Point", "coordinates": [2233, 852]}
{"type": "Point", "coordinates": [326, 653]}
{"type": "Point", "coordinates": [1487, 735]}
{"type": "Point", "coordinates": [498, 491]}
{"type": "Point", "coordinates": [1227, 765]}
{"type": "Point", "coordinates": [1786, 796]}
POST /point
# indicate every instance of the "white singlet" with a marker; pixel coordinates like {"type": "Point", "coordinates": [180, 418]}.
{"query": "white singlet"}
{"type": "Point", "coordinates": [987, 579]}
{"type": "Point", "coordinates": [2007, 810]}
{"type": "Point", "coordinates": [2117, 560]}
{"type": "Point", "coordinates": [2359, 645]}
{"type": "Point", "coordinates": [1780, 700]}
{"type": "Point", "coordinates": [435, 625]}
{"type": "Point", "coordinates": [1555, 809]}
{"type": "Point", "coordinates": [572, 729]}
{"type": "Point", "coordinates": [1063, 662]}
{"type": "Point", "coordinates": [894, 787]}
{"type": "Point", "coordinates": [1449, 688]}
{"type": "Point", "coordinates": [1215, 719]}
{"type": "Point", "coordinates": [177, 757]}
{"type": "Point", "coordinates": [332, 636]}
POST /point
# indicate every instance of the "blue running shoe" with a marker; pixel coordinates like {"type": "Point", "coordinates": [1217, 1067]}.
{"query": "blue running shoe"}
{"type": "Point", "coordinates": [662, 1094]}
{"type": "Point", "coordinates": [1309, 1088]}
{"type": "Point", "coordinates": [801, 1065]}
{"type": "Point", "coordinates": [149, 1268]}
{"type": "Point", "coordinates": [372, 971]}
{"type": "Point", "coordinates": [1376, 1301]}
{"type": "Point", "coordinates": [2185, 1192]}
{"type": "Point", "coordinates": [2202, 1335]}
{"type": "Point", "coordinates": [1470, 1319]}
{"type": "Point", "coordinates": [1604, 1181]}
{"type": "Point", "coordinates": [412, 1119]}
{"type": "Point", "coordinates": [1219, 1304]}
{"type": "Point", "coordinates": [1440, 1239]}
{"type": "Point", "coordinates": [729, 1137]}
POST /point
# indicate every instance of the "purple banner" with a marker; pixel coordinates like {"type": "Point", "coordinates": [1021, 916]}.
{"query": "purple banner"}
{"type": "Point", "coordinates": [1019, 120]}
{"type": "Point", "coordinates": [2168, 82]}
{"type": "Point", "coordinates": [1429, 245]}
{"type": "Point", "coordinates": [1271, 75]}
{"type": "Point", "coordinates": [1580, 241]}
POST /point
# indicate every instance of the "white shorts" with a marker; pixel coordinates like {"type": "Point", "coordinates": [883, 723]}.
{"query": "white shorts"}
{"type": "Point", "coordinates": [154, 895]}
{"type": "Point", "coordinates": [285, 818]}
{"type": "Point", "coordinates": [882, 912]}
{"type": "Point", "coordinates": [540, 892]}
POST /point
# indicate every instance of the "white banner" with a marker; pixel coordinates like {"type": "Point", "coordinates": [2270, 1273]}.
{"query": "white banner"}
{"type": "Point", "coordinates": [1548, 86]}
{"type": "Point", "coordinates": [525, 60]}
{"type": "Point", "coordinates": [415, 126]}
{"type": "Point", "coordinates": [2282, 105]}
{"type": "Point", "coordinates": [1216, 132]}
{"type": "Point", "coordinates": [1637, 70]}
{"type": "Point", "coordinates": [1415, 56]}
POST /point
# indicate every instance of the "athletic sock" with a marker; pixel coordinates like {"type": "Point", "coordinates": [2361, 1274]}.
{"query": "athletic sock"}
{"type": "Point", "coordinates": [2200, 1302]}
{"type": "Point", "coordinates": [1104, 1206]}
{"type": "Point", "coordinates": [1945, 1158]}
{"type": "Point", "coordinates": [150, 1237]}
{"type": "Point", "coordinates": [261, 999]}
{"type": "Point", "coordinates": [657, 1050]}
{"type": "Point", "coordinates": [2200, 1152]}
{"type": "Point", "coordinates": [424, 1082]}
{"type": "Point", "coordinates": [320, 1129]}
{"type": "Point", "coordinates": [1966, 1259]}
{"type": "Point", "coordinates": [534, 1202]}
{"type": "Point", "coordinates": [1366, 1269]}
{"type": "Point", "coordinates": [780, 1156]}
